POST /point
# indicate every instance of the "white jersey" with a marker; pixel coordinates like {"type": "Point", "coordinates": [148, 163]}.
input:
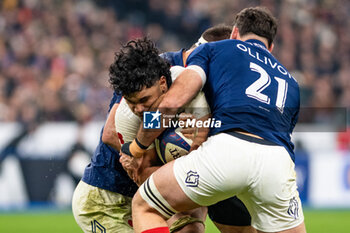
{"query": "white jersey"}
{"type": "Point", "coordinates": [127, 123]}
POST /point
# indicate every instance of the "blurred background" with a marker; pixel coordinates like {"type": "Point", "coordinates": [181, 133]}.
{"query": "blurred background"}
{"type": "Point", "coordinates": [54, 91]}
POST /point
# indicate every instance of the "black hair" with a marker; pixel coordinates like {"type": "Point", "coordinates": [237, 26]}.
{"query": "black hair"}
{"type": "Point", "coordinates": [218, 32]}
{"type": "Point", "coordinates": [137, 65]}
{"type": "Point", "coordinates": [257, 20]}
{"type": "Point", "coordinates": [215, 33]}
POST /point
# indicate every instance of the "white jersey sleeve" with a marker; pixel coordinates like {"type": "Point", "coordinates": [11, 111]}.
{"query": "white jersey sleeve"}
{"type": "Point", "coordinates": [198, 106]}
{"type": "Point", "coordinates": [126, 122]}
{"type": "Point", "coordinates": [176, 71]}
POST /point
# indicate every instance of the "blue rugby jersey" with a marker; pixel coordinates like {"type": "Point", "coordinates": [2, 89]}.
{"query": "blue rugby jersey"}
{"type": "Point", "coordinates": [174, 58]}
{"type": "Point", "coordinates": [247, 88]}
{"type": "Point", "coordinates": [105, 170]}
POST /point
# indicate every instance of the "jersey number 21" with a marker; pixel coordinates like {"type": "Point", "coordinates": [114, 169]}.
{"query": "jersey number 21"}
{"type": "Point", "coordinates": [255, 89]}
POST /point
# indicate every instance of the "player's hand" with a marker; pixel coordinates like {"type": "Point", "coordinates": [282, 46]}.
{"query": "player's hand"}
{"type": "Point", "coordinates": [130, 165]}
{"type": "Point", "coordinates": [188, 132]}
{"type": "Point", "coordinates": [201, 135]}
{"type": "Point", "coordinates": [132, 149]}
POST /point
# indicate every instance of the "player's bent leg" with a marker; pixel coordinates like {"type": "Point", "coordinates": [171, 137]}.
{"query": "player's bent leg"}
{"type": "Point", "coordinates": [273, 200]}
{"type": "Point", "coordinates": [191, 221]}
{"type": "Point", "coordinates": [96, 210]}
{"type": "Point", "coordinates": [162, 195]}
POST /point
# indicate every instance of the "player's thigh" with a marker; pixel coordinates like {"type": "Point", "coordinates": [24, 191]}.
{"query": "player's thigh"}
{"type": "Point", "coordinates": [97, 210]}
{"type": "Point", "coordinates": [217, 170]}
{"type": "Point", "coordinates": [170, 190]}
{"type": "Point", "coordinates": [205, 176]}
{"type": "Point", "coordinates": [273, 199]}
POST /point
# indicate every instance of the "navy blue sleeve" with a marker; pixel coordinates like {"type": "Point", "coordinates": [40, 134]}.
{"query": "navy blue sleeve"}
{"type": "Point", "coordinates": [201, 57]}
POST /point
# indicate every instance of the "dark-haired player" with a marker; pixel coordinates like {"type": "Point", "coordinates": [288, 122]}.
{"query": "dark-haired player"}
{"type": "Point", "coordinates": [142, 76]}
{"type": "Point", "coordinates": [229, 215]}
{"type": "Point", "coordinates": [102, 199]}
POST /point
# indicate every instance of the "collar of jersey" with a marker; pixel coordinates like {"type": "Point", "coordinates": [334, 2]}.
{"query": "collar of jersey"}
{"type": "Point", "coordinates": [254, 41]}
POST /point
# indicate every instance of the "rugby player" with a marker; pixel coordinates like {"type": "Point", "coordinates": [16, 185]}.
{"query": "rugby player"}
{"type": "Point", "coordinates": [102, 199]}
{"type": "Point", "coordinates": [251, 154]}
{"type": "Point", "coordinates": [229, 215]}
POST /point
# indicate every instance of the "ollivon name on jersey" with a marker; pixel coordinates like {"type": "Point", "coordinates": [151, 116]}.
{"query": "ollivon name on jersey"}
{"type": "Point", "coordinates": [267, 61]}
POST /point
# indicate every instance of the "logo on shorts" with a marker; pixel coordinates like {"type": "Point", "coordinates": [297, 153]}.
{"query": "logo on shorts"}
{"type": "Point", "coordinates": [96, 227]}
{"type": "Point", "coordinates": [192, 179]}
{"type": "Point", "coordinates": [151, 120]}
{"type": "Point", "coordinates": [293, 209]}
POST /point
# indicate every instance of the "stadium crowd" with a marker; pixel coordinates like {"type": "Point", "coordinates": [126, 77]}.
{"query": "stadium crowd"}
{"type": "Point", "coordinates": [54, 55]}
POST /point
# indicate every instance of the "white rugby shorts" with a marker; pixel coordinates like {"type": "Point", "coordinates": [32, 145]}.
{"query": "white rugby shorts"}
{"type": "Point", "coordinates": [262, 176]}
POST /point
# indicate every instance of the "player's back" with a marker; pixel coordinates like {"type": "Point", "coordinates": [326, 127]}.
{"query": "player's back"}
{"type": "Point", "coordinates": [248, 89]}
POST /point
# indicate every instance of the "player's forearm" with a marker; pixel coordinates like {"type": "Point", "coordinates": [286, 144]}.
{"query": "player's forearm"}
{"type": "Point", "coordinates": [201, 135]}
{"type": "Point", "coordinates": [147, 172]}
{"type": "Point", "coordinates": [140, 169]}
{"type": "Point", "coordinates": [182, 91]}
{"type": "Point", "coordinates": [109, 135]}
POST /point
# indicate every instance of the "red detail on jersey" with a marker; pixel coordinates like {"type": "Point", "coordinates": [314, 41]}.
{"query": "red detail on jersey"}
{"type": "Point", "coordinates": [157, 230]}
{"type": "Point", "coordinates": [121, 140]}
{"type": "Point", "coordinates": [120, 100]}
{"type": "Point", "coordinates": [130, 222]}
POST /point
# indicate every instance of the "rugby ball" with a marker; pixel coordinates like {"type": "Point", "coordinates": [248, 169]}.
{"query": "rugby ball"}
{"type": "Point", "coordinates": [172, 144]}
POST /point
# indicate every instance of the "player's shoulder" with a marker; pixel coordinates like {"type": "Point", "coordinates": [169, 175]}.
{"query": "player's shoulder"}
{"type": "Point", "coordinates": [175, 72]}
{"type": "Point", "coordinates": [116, 98]}
{"type": "Point", "coordinates": [126, 123]}
{"type": "Point", "coordinates": [222, 45]}
{"type": "Point", "coordinates": [174, 58]}
{"type": "Point", "coordinates": [226, 42]}
{"type": "Point", "coordinates": [167, 55]}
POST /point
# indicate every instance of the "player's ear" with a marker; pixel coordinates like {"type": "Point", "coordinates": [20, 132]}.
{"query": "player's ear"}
{"type": "Point", "coordinates": [234, 33]}
{"type": "Point", "coordinates": [271, 47]}
{"type": "Point", "coordinates": [163, 84]}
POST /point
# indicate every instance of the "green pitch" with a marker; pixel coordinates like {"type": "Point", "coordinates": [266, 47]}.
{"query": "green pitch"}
{"type": "Point", "coordinates": [317, 221]}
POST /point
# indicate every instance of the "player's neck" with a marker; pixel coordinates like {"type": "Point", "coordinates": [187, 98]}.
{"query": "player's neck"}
{"type": "Point", "coordinates": [186, 54]}
{"type": "Point", "coordinates": [255, 37]}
